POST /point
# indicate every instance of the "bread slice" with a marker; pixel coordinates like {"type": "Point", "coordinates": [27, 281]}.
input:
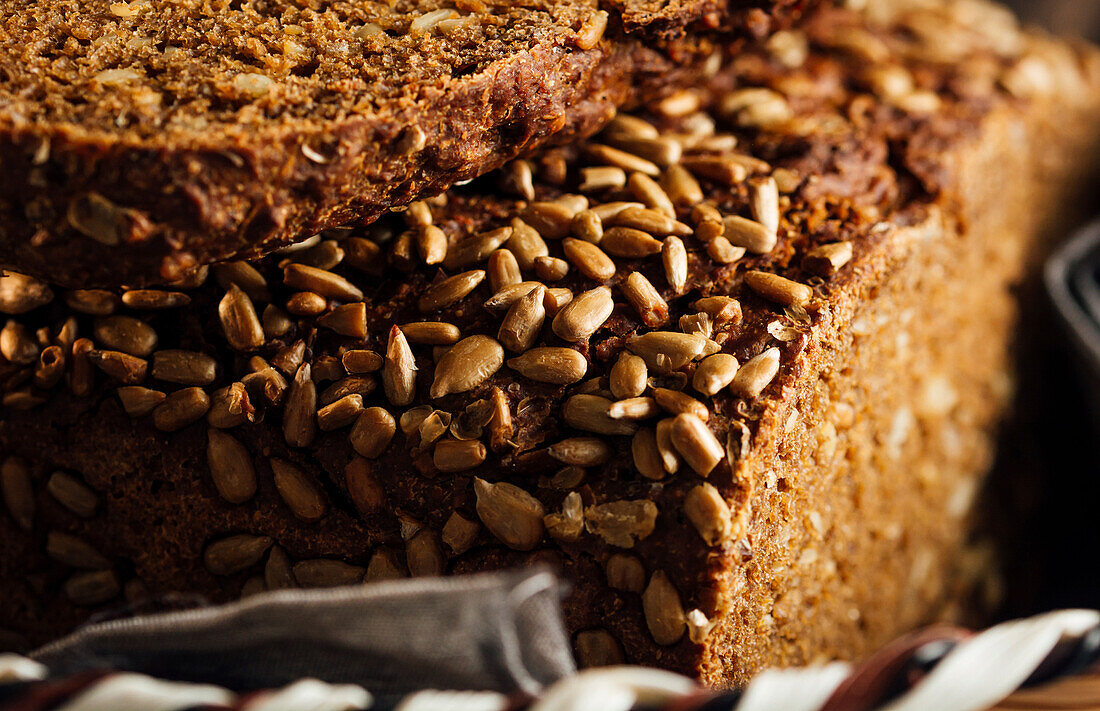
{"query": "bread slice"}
{"type": "Point", "coordinates": [748, 436]}
{"type": "Point", "coordinates": [142, 139]}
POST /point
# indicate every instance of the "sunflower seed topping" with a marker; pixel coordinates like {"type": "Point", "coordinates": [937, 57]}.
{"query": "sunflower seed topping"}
{"type": "Point", "coordinates": [510, 513]}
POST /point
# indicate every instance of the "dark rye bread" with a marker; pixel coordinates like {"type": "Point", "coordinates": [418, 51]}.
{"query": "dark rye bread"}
{"type": "Point", "coordinates": [140, 139]}
{"type": "Point", "coordinates": [820, 509]}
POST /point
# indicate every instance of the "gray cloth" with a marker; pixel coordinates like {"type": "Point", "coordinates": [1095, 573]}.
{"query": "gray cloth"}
{"type": "Point", "coordinates": [495, 632]}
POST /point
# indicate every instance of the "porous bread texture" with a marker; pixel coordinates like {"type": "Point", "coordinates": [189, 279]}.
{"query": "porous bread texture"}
{"type": "Point", "coordinates": [143, 138]}
{"type": "Point", "coordinates": [831, 514]}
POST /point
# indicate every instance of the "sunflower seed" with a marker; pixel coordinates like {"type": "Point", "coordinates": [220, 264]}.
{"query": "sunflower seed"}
{"type": "Point", "coordinates": [229, 407]}
{"type": "Point", "coordinates": [589, 259]}
{"type": "Point", "coordinates": [20, 293]}
{"type": "Point", "coordinates": [602, 177]}
{"type": "Point", "coordinates": [590, 414]}
{"type": "Point", "coordinates": [522, 324]}
{"type": "Point", "coordinates": [675, 261]}
{"type": "Point", "coordinates": [184, 367]}
{"type": "Point", "coordinates": [50, 367]}
{"type": "Point", "coordinates": [666, 351]}
{"type": "Point", "coordinates": [629, 243]}
{"type": "Point", "coordinates": [721, 251]}
{"type": "Point", "coordinates": [82, 378]}
{"type": "Point", "coordinates": [696, 443]}
{"type": "Point", "coordinates": [557, 366]}
{"type": "Point", "coordinates": [298, 491]}
{"type": "Point", "coordinates": [94, 302]}
{"type": "Point", "coordinates": [592, 29]}
{"type": "Point", "coordinates": [628, 376]}
{"type": "Point", "coordinates": [384, 565]}
{"type": "Point", "coordinates": [326, 573]}
{"type": "Point", "coordinates": [756, 374]}
{"type": "Point", "coordinates": [550, 220]}
{"type": "Point", "coordinates": [458, 455]}
{"type": "Point", "coordinates": [709, 513]}
{"type": "Point", "coordinates": [778, 289]}
{"type": "Point", "coordinates": [581, 451]}
{"type": "Point", "coordinates": [340, 413]}
{"type": "Point", "coordinates": [682, 187]}
{"type": "Point", "coordinates": [450, 291]}
{"type": "Point", "coordinates": [121, 367]}
{"type": "Point", "coordinates": [235, 553]}
{"type": "Point", "coordinates": [306, 303]}
{"type": "Point", "coordinates": [622, 523]}
{"type": "Point", "coordinates": [670, 458]}
{"type": "Point", "coordinates": [363, 487]}
{"type": "Point", "coordinates": [92, 588]}
{"type": "Point", "coordinates": [646, 455]}
{"type": "Point", "coordinates": [635, 408]}
{"type": "Point", "coordinates": [664, 613]}
{"type": "Point", "coordinates": [503, 299]}
{"type": "Point", "coordinates": [74, 552]}
{"type": "Point", "coordinates": [640, 292]}
{"type": "Point", "coordinates": [827, 259]}
{"type": "Point", "coordinates": [431, 244]}
{"type": "Point", "coordinates": [510, 513]}
{"type": "Point", "coordinates": [361, 361]}
{"type": "Point", "coordinates": [66, 334]}
{"type": "Point", "coordinates": [239, 321]}
{"type": "Point", "coordinates": [602, 154]}
{"type": "Point", "coordinates": [466, 365]}
{"type": "Point", "coordinates": [568, 525]}
{"type": "Point", "coordinates": [627, 126]}
{"type": "Point", "coordinates": [527, 244]}
{"type": "Point", "coordinates": [662, 150]}
{"type": "Point", "coordinates": [584, 315]}
{"type": "Point", "coordinates": [73, 494]}
{"type": "Point", "coordinates": [676, 402]}
{"type": "Point", "coordinates": [722, 309]}
{"type": "Point", "coordinates": [597, 648]}
{"type": "Point", "coordinates": [180, 409]}
{"type": "Point", "coordinates": [399, 369]}
{"type": "Point", "coordinates": [724, 170]}
{"type": "Point", "coordinates": [503, 269]}
{"type": "Point", "coordinates": [476, 249]}
{"type": "Point", "coordinates": [300, 412]}
{"type": "Point", "coordinates": [517, 178]}
{"type": "Point", "coordinates": [423, 555]}
{"type": "Point", "coordinates": [276, 323]}
{"type": "Point", "coordinates": [651, 222]}
{"type": "Point", "coordinates": [245, 277]}
{"type": "Point", "coordinates": [319, 281]}
{"type": "Point", "coordinates": [372, 433]}
{"type": "Point", "coordinates": [15, 484]}
{"type": "Point", "coordinates": [139, 401]}
{"type": "Point", "coordinates": [551, 268]}
{"type": "Point", "coordinates": [266, 383]}
{"type": "Point", "coordinates": [764, 200]}
{"type": "Point", "coordinates": [500, 422]}
{"type": "Point", "coordinates": [625, 572]}
{"type": "Point", "coordinates": [680, 103]}
{"type": "Point", "coordinates": [556, 299]}
{"type": "Point", "coordinates": [751, 235]}
{"type": "Point", "coordinates": [432, 333]}
{"type": "Point", "coordinates": [459, 533]}
{"type": "Point", "coordinates": [714, 373]}
{"type": "Point", "coordinates": [230, 467]}
{"type": "Point", "coordinates": [154, 299]}
{"type": "Point", "coordinates": [277, 571]}
{"type": "Point", "coordinates": [17, 345]}
{"type": "Point", "coordinates": [649, 192]}
{"type": "Point", "coordinates": [348, 320]}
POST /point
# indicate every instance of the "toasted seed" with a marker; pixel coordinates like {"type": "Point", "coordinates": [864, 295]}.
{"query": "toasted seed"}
{"type": "Point", "coordinates": [423, 555]}
{"type": "Point", "coordinates": [751, 235]}
{"type": "Point", "coordinates": [431, 243]}
{"type": "Point", "coordinates": [372, 433]}
{"type": "Point", "coordinates": [720, 169]}
{"type": "Point", "coordinates": [450, 291]}
{"type": "Point", "coordinates": [628, 376]}
{"type": "Point", "coordinates": [399, 369]}
{"type": "Point", "coordinates": [722, 309]}
{"type": "Point", "coordinates": [155, 299]}
{"type": "Point", "coordinates": [384, 565]}
{"type": "Point", "coordinates": [646, 300]}
{"type": "Point", "coordinates": [625, 572]}
{"type": "Point", "coordinates": [73, 494]}
{"type": "Point", "coordinates": [622, 523]}
{"type": "Point", "coordinates": [266, 383]}
{"type": "Point", "coordinates": [682, 187]}
{"type": "Point", "coordinates": [500, 422]}
{"type": "Point", "coordinates": [503, 299]}
{"type": "Point", "coordinates": [457, 455]}
{"type": "Point", "coordinates": [603, 154]}
{"type": "Point", "coordinates": [590, 414]}
{"type": "Point", "coordinates": [327, 573]}
{"type": "Point", "coordinates": [664, 613]}
{"type": "Point", "coordinates": [17, 345]}
{"type": "Point", "coordinates": [74, 552]}
{"type": "Point", "coordinates": [123, 368]}
{"type": "Point", "coordinates": [584, 315]}
{"type": "Point", "coordinates": [340, 413]}
{"type": "Point", "coordinates": [363, 487]}
{"type": "Point", "coordinates": [550, 220]}
{"type": "Point", "coordinates": [699, 323]}
{"type": "Point", "coordinates": [662, 150]}
{"type": "Point", "coordinates": [676, 402]}
{"type": "Point", "coordinates": [629, 243]}
{"type": "Point", "coordinates": [647, 190]}
{"type": "Point", "coordinates": [522, 324]}
{"type": "Point", "coordinates": [589, 259]}
{"type": "Point", "coordinates": [239, 320]}
{"type": "Point", "coordinates": [714, 373]}
{"type": "Point", "coordinates": [230, 467]}
{"type": "Point", "coordinates": [756, 374]}
{"type": "Point", "coordinates": [81, 379]}
{"type": "Point", "coordinates": [476, 248]}
{"type": "Point", "coordinates": [92, 588]}
{"type": "Point", "coordinates": [184, 367]}
{"type": "Point", "coordinates": [95, 302]}
{"type": "Point", "coordinates": [466, 365]}
{"type": "Point", "coordinates": [722, 251]}
{"type": "Point", "coordinates": [646, 455]}
{"type": "Point", "coordinates": [551, 268]}
{"type": "Point", "coordinates": [627, 126]}
{"type": "Point", "coordinates": [510, 513]}
{"type": "Point", "coordinates": [138, 401]}
{"type": "Point", "coordinates": [526, 244]}
{"type": "Point", "coordinates": [430, 429]}
{"type": "Point", "coordinates": [680, 103]}
{"type": "Point", "coordinates": [244, 276]}
{"type": "Point", "coordinates": [581, 451]}
{"type": "Point", "coordinates": [319, 281]}
{"type": "Point", "coordinates": [597, 648]}
{"type": "Point", "coordinates": [180, 409]}
{"type": "Point", "coordinates": [602, 177]}
{"type": "Point", "coordinates": [764, 201]}
{"type": "Point", "coordinates": [556, 299]}
{"type": "Point", "coordinates": [827, 259]}
{"type": "Point", "coordinates": [277, 571]}
{"type": "Point", "coordinates": [779, 289]}
{"type": "Point", "coordinates": [588, 226]}
{"type": "Point", "coordinates": [411, 419]}
{"type": "Point", "coordinates": [276, 323]}
{"type": "Point", "coordinates": [503, 269]}
{"type": "Point", "coordinates": [696, 443]}
{"type": "Point", "coordinates": [670, 458]}
{"type": "Point", "coordinates": [554, 365]}
{"type": "Point", "coordinates": [517, 178]}
{"type": "Point", "coordinates": [15, 485]}
{"type": "Point", "coordinates": [634, 408]}
{"type": "Point", "coordinates": [230, 406]}
{"type": "Point", "coordinates": [568, 525]}
{"type": "Point", "coordinates": [459, 533]}
{"type": "Point", "coordinates": [298, 491]}
{"type": "Point", "coordinates": [300, 412]}
{"type": "Point", "coordinates": [20, 293]}
{"type": "Point", "coordinates": [665, 351]}
{"type": "Point", "coordinates": [327, 368]}
{"type": "Point", "coordinates": [361, 361]}
{"type": "Point", "coordinates": [432, 333]}
{"type": "Point", "coordinates": [235, 553]}
{"type": "Point", "coordinates": [709, 513]}
{"type": "Point", "coordinates": [592, 29]}
{"type": "Point", "coordinates": [674, 258]}
{"type": "Point", "coordinates": [347, 320]}
{"type": "Point", "coordinates": [306, 303]}
{"type": "Point", "coordinates": [651, 222]}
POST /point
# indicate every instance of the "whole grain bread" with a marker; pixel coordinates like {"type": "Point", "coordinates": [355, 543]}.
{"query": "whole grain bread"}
{"type": "Point", "coordinates": [141, 139]}
{"type": "Point", "coordinates": [735, 369]}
